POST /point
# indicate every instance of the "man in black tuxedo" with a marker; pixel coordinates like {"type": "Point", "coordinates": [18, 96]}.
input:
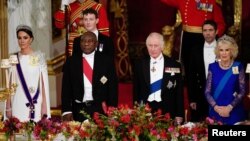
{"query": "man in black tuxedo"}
{"type": "Point", "coordinates": [198, 102]}
{"type": "Point", "coordinates": [158, 80]}
{"type": "Point", "coordinates": [90, 21]}
{"type": "Point", "coordinates": [89, 81]}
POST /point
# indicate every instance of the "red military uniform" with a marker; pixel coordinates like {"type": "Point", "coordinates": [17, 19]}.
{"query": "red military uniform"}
{"type": "Point", "coordinates": [193, 17]}
{"type": "Point", "coordinates": [194, 13]}
{"type": "Point", "coordinates": [74, 20]}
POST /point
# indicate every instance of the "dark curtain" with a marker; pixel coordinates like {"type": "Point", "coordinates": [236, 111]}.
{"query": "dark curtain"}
{"type": "Point", "coordinates": [147, 16]}
{"type": "Point", "coordinates": [245, 36]}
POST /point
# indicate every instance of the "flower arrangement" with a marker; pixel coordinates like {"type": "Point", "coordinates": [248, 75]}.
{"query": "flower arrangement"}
{"type": "Point", "coordinates": [193, 131]}
{"type": "Point", "coordinates": [46, 128]}
{"type": "Point", "coordinates": [69, 128]}
{"type": "Point", "coordinates": [11, 126]}
{"type": "Point", "coordinates": [28, 128]}
{"type": "Point", "coordinates": [190, 131]}
{"type": "Point", "coordinates": [139, 123]}
{"type": "Point", "coordinates": [118, 124]}
{"type": "Point", "coordinates": [79, 131]}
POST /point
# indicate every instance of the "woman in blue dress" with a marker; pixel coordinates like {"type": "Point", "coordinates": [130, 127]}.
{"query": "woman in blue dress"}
{"type": "Point", "coordinates": [225, 87]}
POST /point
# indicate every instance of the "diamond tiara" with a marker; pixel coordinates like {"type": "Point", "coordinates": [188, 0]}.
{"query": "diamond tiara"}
{"type": "Point", "coordinates": [227, 38]}
{"type": "Point", "coordinates": [22, 26]}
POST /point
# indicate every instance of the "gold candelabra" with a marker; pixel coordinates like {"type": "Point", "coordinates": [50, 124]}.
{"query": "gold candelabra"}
{"type": "Point", "coordinates": [8, 65]}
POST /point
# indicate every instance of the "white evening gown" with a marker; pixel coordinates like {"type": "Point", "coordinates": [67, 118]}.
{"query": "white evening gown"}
{"type": "Point", "coordinates": [34, 68]}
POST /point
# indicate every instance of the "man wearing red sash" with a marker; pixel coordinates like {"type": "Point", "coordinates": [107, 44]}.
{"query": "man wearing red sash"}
{"type": "Point", "coordinates": [89, 81]}
{"type": "Point", "coordinates": [74, 16]}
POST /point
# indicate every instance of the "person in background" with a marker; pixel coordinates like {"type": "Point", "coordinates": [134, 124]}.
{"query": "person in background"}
{"type": "Point", "coordinates": [199, 106]}
{"type": "Point", "coordinates": [31, 99]}
{"type": "Point", "coordinates": [90, 20]}
{"type": "Point", "coordinates": [193, 14]}
{"type": "Point", "coordinates": [225, 86]}
{"type": "Point", "coordinates": [209, 31]}
{"type": "Point", "coordinates": [74, 21]}
{"type": "Point", "coordinates": [89, 81]}
{"type": "Point", "coordinates": [158, 80]}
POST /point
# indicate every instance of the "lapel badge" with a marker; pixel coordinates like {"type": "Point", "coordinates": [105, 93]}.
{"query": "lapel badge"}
{"type": "Point", "coordinates": [103, 79]}
{"type": "Point", "coordinates": [170, 84]}
{"type": "Point", "coordinates": [101, 47]}
{"type": "Point", "coordinates": [235, 70]}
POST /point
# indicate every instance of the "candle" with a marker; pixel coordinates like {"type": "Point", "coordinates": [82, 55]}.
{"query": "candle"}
{"type": "Point", "coordinates": [5, 64]}
{"type": "Point", "coordinates": [7, 78]}
{"type": "Point", "coordinates": [13, 60]}
{"type": "Point", "coordinates": [14, 75]}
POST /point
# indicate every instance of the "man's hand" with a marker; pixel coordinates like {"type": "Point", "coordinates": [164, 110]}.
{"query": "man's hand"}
{"type": "Point", "coordinates": [178, 120]}
{"type": "Point", "coordinates": [104, 107]}
{"type": "Point", "coordinates": [67, 117]}
{"type": "Point", "coordinates": [193, 105]}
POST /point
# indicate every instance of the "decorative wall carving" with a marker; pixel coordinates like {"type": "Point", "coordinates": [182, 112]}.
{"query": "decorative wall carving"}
{"type": "Point", "coordinates": [121, 39]}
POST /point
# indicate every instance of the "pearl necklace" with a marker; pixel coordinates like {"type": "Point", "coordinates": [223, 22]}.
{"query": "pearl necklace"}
{"type": "Point", "coordinates": [225, 66]}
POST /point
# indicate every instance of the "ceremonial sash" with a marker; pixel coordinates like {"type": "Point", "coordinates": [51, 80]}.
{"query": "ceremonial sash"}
{"type": "Point", "coordinates": [87, 70]}
{"type": "Point", "coordinates": [32, 101]}
{"type": "Point", "coordinates": [155, 86]}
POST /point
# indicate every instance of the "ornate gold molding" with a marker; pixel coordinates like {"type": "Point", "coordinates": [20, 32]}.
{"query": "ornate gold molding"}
{"type": "Point", "coordinates": [3, 37]}
{"type": "Point", "coordinates": [168, 33]}
{"type": "Point", "coordinates": [235, 29]}
{"type": "Point", "coordinates": [55, 65]}
{"type": "Point", "coordinates": [3, 94]}
{"type": "Point", "coordinates": [237, 12]}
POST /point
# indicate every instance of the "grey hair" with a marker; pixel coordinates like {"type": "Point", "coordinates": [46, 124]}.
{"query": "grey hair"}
{"type": "Point", "coordinates": [156, 35]}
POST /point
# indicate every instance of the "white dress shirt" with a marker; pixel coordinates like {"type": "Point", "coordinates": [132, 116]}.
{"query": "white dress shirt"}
{"type": "Point", "coordinates": [96, 33]}
{"type": "Point", "coordinates": [209, 55]}
{"type": "Point", "coordinates": [157, 65]}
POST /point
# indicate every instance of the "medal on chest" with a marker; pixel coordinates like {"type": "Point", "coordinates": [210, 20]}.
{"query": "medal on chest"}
{"type": "Point", "coordinates": [205, 6]}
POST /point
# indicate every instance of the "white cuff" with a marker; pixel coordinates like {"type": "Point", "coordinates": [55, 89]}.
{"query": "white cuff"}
{"type": "Point", "coordinates": [62, 7]}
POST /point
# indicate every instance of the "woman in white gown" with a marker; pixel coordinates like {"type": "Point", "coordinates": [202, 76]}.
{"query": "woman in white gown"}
{"type": "Point", "coordinates": [31, 98]}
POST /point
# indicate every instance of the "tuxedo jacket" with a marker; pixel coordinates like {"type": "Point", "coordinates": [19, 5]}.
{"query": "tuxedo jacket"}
{"type": "Point", "coordinates": [73, 84]}
{"type": "Point", "coordinates": [105, 45]}
{"type": "Point", "coordinates": [172, 97]}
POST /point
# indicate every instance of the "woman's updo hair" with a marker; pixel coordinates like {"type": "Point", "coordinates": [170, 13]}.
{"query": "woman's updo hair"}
{"type": "Point", "coordinates": [227, 40]}
{"type": "Point", "coordinates": [25, 29]}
